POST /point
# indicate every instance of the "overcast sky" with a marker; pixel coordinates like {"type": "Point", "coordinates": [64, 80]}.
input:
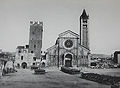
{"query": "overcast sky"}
{"type": "Point", "coordinates": [59, 16]}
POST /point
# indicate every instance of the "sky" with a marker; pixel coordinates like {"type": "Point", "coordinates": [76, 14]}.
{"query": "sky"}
{"type": "Point", "coordinates": [59, 16]}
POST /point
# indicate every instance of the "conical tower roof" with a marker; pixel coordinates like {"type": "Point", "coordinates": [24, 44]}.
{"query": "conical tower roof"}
{"type": "Point", "coordinates": [84, 15]}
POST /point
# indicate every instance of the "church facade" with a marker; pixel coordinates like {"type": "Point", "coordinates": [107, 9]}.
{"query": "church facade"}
{"type": "Point", "coordinates": [71, 49]}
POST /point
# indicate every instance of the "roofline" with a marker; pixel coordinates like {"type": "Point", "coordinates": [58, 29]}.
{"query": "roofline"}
{"type": "Point", "coordinates": [70, 31]}
{"type": "Point", "coordinates": [50, 47]}
{"type": "Point", "coordinates": [84, 47]}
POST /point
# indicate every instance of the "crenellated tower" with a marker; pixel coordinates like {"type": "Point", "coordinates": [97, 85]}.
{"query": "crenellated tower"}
{"type": "Point", "coordinates": [84, 38]}
{"type": "Point", "coordinates": [35, 38]}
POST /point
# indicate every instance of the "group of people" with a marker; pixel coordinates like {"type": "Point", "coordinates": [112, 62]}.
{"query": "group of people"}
{"type": "Point", "coordinates": [6, 68]}
{"type": "Point", "coordinates": [1, 70]}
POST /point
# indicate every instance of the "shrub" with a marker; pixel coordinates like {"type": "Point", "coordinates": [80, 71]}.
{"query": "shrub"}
{"type": "Point", "coordinates": [104, 79]}
{"type": "Point", "coordinates": [70, 70]}
{"type": "Point", "coordinates": [39, 71]}
{"type": "Point", "coordinates": [34, 67]}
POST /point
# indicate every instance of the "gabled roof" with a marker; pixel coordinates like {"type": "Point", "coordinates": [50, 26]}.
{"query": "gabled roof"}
{"type": "Point", "coordinates": [54, 46]}
{"type": "Point", "coordinates": [84, 15]}
{"type": "Point", "coordinates": [68, 32]}
{"type": "Point", "coordinates": [83, 47]}
{"type": "Point", "coordinates": [100, 55]}
{"type": "Point", "coordinates": [117, 52]}
{"type": "Point", "coordinates": [20, 47]}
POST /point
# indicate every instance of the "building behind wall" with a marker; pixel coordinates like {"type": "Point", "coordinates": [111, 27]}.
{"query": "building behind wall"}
{"type": "Point", "coordinates": [100, 61]}
{"type": "Point", "coordinates": [35, 38]}
{"type": "Point", "coordinates": [116, 58]}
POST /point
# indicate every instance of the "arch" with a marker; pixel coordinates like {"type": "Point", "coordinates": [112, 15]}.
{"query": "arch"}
{"type": "Point", "coordinates": [18, 65]}
{"type": "Point", "coordinates": [24, 65]}
{"type": "Point", "coordinates": [68, 59]}
{"type": "Point", "coordinates": [62, 59]}
{"type": "Point", "coordinates": [68, 56]}
{"type": "Point", "coordinates": [43, 64]}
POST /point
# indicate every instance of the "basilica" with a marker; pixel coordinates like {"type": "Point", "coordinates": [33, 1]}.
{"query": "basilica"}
{"type": "Point", "coordinates": [71, 49]}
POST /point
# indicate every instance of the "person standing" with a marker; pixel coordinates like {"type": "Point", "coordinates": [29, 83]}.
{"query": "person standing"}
{"type": "Point", "coordinates": [0, 69]}
{"type": "Point", "coordinates": [3, 70]}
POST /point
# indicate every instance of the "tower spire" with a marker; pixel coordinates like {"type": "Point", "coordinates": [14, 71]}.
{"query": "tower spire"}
{"type": "Point", "coordinates": [84, 15]}
{"type": "Point", "coordinates": [84, 37]}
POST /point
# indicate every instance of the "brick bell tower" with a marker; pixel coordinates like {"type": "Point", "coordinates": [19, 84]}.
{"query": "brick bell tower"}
{"type": "Point", "coordinates": [35, 38]}
{"type": "Point", "coordinates": [84, 38]}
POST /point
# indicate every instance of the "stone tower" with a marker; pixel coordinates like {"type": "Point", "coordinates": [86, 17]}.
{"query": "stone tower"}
{"type": "Point", "coordinates": [84, 38]}
{"type": "Point", "coordinates": [35, 38]}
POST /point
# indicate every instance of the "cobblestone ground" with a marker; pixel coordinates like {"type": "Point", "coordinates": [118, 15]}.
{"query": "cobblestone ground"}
{"type": "Point", "coordinates": [53, 78]}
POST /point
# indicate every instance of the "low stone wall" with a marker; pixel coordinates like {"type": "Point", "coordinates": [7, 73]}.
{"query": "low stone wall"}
{"type": "Point", "coordinates": [70, 70]}
{"type": "Point", "coordinates": [104, 79]}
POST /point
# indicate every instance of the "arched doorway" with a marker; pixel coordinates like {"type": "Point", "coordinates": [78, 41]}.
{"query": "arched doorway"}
{"type": "Point", "coordinates": [43, 64]}
{"type": "Point", "coordinates": [68, 60]}
{"type": "Point", "coordinates": [18, 65]}
{"type": "Point", "coordinates": [24, 65]}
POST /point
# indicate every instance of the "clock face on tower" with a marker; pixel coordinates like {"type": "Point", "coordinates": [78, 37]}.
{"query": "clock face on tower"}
{"type": "Point", "coordinates": [68, 43]}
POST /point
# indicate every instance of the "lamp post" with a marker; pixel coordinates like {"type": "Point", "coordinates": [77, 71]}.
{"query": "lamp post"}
{"type": "Point", "coordinates": [58, 52]}
{"type": "Point", "coordinates": [77, 52]}
{"type": "Point", "coordinates": [13, 62]}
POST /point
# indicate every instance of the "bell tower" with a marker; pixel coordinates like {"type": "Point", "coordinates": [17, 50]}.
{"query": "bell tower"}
{"type": "Point", "coordinates": [35, 38]}
{"type": "Point", "coordinates": [84, 38]}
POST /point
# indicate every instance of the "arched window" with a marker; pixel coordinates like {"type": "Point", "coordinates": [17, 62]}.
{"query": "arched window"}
{"type": "Point", "coordinates": [21, 57]}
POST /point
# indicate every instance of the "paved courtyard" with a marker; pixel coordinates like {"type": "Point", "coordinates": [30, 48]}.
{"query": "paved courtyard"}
{"type": "Point", "coordinates": [25, 78]}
